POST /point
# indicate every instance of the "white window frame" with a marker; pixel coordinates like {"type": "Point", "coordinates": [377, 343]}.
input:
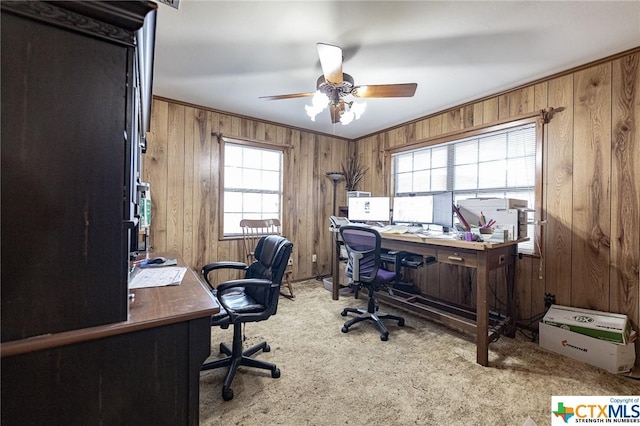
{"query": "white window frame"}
{"type": "Point", "coordinates": [529, 247]}
{"type": "Point", "coordinates": [230, 220]}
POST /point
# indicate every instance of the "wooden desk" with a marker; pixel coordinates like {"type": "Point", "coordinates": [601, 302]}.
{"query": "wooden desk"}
{"type": "Point", "coordinates": [145, 369]}
{"type": "Point", "coordinates": [484, 257]}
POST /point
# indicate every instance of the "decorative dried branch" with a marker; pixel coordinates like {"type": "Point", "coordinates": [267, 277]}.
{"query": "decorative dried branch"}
{"type": "Point", "coordinates": [353, 173]}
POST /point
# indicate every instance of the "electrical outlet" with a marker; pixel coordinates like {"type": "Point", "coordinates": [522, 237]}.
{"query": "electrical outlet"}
{"type": "Point", "coordinates": [314, 257]}
{"type": "Point", "coordinates": [290, 262]}
{"type": "Point", "coordinates": [549, 299]}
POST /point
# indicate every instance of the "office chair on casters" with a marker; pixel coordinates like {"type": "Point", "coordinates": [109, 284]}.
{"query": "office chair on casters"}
{"type": "Point", "coordinates": [364, 271]}
{"type": "Point", "coordinates": [251, 299]}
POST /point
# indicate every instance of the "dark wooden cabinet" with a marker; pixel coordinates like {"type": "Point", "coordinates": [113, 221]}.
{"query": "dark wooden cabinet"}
{"type": "Point", "coordinates": [67, 113]}
{"type": "Point", "coordinates": [74, 348]}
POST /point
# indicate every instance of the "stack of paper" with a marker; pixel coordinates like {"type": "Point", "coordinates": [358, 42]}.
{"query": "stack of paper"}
{"type": "Point", "coordinates": [157, 277]}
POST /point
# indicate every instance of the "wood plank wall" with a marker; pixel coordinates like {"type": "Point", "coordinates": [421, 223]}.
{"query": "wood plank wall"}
{"type": "Point", "coordinates": [591, 163]}
{"type": "Point", "coordinates": [182, 166]}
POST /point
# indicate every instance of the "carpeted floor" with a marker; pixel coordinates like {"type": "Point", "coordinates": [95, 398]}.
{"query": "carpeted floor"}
{"type": "Point", "coordinates": [425, 374]}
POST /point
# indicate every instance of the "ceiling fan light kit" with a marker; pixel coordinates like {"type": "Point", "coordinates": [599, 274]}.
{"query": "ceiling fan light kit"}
{"type": "Point", "coordinates": [336, 90]}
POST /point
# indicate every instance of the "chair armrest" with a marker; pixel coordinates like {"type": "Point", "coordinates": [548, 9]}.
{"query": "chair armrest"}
{"type": "Point", "coordinates": [229, 287]}
{"type": "Point", "coordinates": [206, 269]}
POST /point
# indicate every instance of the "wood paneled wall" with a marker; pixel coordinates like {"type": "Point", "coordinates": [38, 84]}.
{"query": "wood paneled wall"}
{"type": "Point", "coordinates": [591, 163]}
{"type": "Point", "coordinates": [591, 174]}
{"type": "Point", "coordinates": [182, 165]}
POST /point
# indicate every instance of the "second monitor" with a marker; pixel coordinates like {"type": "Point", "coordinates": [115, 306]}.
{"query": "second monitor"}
{"type": "Point", "coordinates": [369, 209]}
{"type": "Point", "coordinates": [434, 209]}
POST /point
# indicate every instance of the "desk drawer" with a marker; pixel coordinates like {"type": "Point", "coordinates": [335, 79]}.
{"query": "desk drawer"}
{"type": "Point", "coordinates": [457, 257]}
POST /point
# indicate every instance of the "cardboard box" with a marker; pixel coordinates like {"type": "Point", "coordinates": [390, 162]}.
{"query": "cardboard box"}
{"type": "Point", "coordinates": [609, 356]}
{"type": "Point", "coordinates": [607, 326]}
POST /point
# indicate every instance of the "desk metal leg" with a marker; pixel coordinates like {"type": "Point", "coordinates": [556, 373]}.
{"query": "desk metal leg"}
{"type": "Point", "coordinates": [482, 310]}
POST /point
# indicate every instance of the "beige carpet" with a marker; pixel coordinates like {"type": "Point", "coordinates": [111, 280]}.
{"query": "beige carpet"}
{"type": "Point", "coordinates": [425, 374]}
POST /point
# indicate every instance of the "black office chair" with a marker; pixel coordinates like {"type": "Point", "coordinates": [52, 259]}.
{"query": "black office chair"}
{"type": "Point", "coordinates": [364, 271]}
{"type": "Point", "coordinates": [252, 299]}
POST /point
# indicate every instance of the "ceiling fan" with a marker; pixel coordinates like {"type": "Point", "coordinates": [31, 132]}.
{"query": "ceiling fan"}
{"type": "Point", "coordinates": [336, 89]}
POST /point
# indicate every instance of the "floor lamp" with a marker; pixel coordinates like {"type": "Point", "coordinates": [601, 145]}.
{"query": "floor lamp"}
{"type": "Point", "coordinates": [335, 178]}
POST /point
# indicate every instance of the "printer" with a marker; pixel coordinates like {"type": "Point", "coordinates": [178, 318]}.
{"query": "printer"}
{"type": "Point", "coordinates": [510, 214]}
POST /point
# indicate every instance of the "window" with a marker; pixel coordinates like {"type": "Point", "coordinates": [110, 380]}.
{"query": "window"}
{"type": "Point", "coordinates": [498, 164]}
{"type": "Point", "coordinates": [252, 184]}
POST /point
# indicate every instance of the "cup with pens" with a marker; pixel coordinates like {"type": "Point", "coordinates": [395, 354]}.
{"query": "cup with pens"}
{"type": "Point", "coordinates": [485, 226]}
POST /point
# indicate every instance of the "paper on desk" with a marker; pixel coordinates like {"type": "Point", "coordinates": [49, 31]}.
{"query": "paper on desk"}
{"type": "Point", "coordinates": [393, 230]}
{"type": "Point", "coordinates": [157, 277]}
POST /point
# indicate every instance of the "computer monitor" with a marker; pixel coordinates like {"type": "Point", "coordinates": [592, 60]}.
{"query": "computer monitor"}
{"type": "Point", "coordinates": [369, 209]}
{"type": "Point", "coordinates": [443, 209]}
{"type": "Point", "coordinates": [415, 209]}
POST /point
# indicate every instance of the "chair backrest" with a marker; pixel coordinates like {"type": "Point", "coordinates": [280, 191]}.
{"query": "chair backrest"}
{"type": "Point", "coordinates": [271, 257]}
{"type": "Point", "coordinates": [363, 250]}
{"type": "Point", "coordinates": [252, 231]}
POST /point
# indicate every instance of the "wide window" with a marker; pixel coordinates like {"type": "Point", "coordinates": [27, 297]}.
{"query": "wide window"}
{"type": "Point", "coordinates": [499, 164]}
{"type": "Point", "coordinates": [252, 187]}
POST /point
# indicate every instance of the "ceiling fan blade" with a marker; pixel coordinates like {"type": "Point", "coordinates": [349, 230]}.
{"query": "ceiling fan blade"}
{"type": "Point", "coordinates": [385, 90]}
{"type": "Point", "coordinates": [331, 62]}
{"type": "Point", "coordinates": [335, 112]}
{"type": "Point", "coordinates": [291, 96]}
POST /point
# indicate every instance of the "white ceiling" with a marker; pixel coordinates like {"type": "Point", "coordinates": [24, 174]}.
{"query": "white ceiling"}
{"type": "Point", "coordinates": [226, 54]}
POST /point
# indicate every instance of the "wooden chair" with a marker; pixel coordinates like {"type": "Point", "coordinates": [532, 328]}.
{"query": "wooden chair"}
{"type": "Point", "coordinates": [252, 231]}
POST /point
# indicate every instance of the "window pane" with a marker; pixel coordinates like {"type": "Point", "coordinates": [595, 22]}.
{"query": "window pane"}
{"type": "Point", "coordinates": [232, 223]}
{"type": "Point", "coordinates": [422, 160]}
{"type": "Point", "coordinates": [404, 163]}
{"type": "Point", "coordinates": [439, 179]}
{"type": "Point", "coordinates": [232, 177]}
{"type": "Point", "coordinates": [492, 148]}
{"type": "Point", "coordinates": [521, 172]}
{"type": "Point", "coordinates": [466, 152]}
{"type": "Point", "coordinates": [270, 180]}
{"type": "Point", "coordinates": [522, 143]}
{"type": "Point", "coordinates": [252, 159]}
{"type": "Point", "coordinates": [232, 156]}
{"type": "Point", "coordinates": [232, 202]}
{"type": "Point", "coordinates": [439, 156]}
{"type": "Point", "coordinates": [404, 182]}
{"type": "Point", "coordinates": [421, 181]}
{"type": "Point", "coordinates": [271, 160]}
{"type": "Point", "coordinates": [270, 206]}
{"type": "Point", "coordinates": [465, 177]}
{"type": "Point", "coordinates": [251, 202]}
{"type": "Point", "coordinates": [491, 174]}
{"type": "Point", "coordinates": [251, 179]}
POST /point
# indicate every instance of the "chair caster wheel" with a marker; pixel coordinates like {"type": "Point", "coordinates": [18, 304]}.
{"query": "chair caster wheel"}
{"type": "Point", "coordinates": [384, 337]}
{"type": "Point", "coordinates": [227, 394]}
{"type": "Point", "coordinates": [266, 348]}
{"type": "Point", "coordinates": [275, 373]}
{"type": "Point", "coordinates": [343, 313]}
{"type": "Point", "coordinates": [401, 323]}
{"type": "Point", "coordinates": [345, 330]}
